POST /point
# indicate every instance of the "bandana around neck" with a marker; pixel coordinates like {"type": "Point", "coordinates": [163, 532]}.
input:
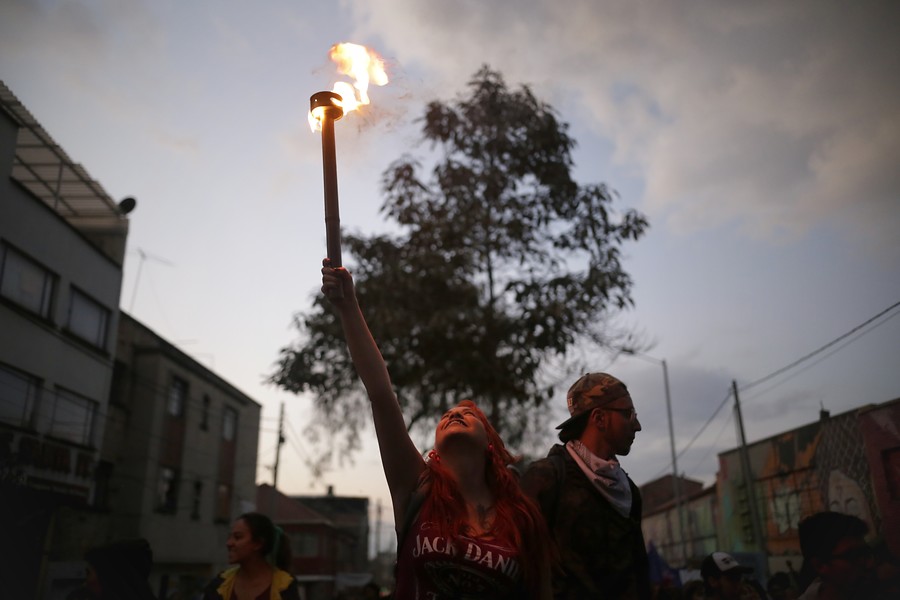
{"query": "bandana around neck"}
{"type": "Point", "coordinates": [606, 475]}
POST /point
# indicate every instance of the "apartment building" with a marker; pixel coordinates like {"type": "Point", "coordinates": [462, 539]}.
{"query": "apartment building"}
{"type": "Point", "coordinates": [107, 430]}
{"type": "Point", "coordinates": [62, 243]}
{"type": "Point", "coordinates": [178, 461]}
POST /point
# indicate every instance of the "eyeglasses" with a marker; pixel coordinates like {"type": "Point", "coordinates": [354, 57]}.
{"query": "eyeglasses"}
{"type": "Point", "coordinates": [857, 554]}
{"type": "Point", "coordinates": [629, 414]}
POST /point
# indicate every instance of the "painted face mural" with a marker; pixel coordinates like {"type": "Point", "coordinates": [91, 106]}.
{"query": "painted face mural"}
{"type": "Point", "coordinates": [846, 496]}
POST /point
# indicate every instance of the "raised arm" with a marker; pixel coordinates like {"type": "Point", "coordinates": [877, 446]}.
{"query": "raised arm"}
{"type": "Point", "coordinates": [401, 460]}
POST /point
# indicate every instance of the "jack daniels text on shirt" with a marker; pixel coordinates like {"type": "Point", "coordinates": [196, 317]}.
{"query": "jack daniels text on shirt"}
{"type": "Point", "coordinates": [433, 567]}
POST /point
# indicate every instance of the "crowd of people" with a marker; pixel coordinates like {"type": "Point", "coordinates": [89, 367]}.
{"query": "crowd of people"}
{"type": "Point", "coordinates": [468, 527]}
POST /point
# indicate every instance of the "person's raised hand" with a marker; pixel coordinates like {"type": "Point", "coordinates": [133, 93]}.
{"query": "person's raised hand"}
{"type": "Point", "coordinates": [337, 278]}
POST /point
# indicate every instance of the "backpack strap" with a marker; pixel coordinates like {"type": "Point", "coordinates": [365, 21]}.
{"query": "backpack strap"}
{"type": "Point", "coordinates": [558, 460]}
{"type": "Point", "coordinates": [416, 499]}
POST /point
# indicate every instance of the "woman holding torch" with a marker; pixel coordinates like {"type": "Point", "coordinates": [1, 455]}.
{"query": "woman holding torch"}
{"type": "Point", "coordinates": [464, 528]}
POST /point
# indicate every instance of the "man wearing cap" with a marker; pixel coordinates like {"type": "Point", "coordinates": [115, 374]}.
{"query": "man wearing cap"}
{"type": "Point", "coordinates": [592, 507]}
{"type": "Point", "coordinates": [723, 576]}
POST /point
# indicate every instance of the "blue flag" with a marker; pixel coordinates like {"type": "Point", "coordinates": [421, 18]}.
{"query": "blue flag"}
{"type": "Point", "coordinates": [660, 572]}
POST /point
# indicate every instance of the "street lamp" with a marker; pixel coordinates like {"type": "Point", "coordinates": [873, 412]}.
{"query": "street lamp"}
{"type": "Point", "coordinates": [676, 481]}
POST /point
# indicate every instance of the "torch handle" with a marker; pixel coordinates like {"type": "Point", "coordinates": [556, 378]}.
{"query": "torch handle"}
{"type": "Point", "coordinates": [332, 209]}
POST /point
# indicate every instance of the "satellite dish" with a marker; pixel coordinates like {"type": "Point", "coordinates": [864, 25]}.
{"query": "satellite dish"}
{"type": "Point", "coordinates": [127, 205]}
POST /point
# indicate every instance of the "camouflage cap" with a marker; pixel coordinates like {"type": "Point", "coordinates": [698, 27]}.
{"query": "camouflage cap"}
{"type": "Point", "coordinates": [592, 391]}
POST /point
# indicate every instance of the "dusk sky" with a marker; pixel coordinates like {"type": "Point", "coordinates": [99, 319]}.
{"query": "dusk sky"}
{"type": "Point", "coordinates": [762, 141]}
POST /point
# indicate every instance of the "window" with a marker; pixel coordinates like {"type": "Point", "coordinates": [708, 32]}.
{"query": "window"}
{"type": "Point", "coordinates": [229, 424]}
{"type": "Point", "coordinates": [306, 545]}
{"type": "Point", "coordinates": [177, 396]}
{"type": "Point", "coordinates": [25, 282]}
{"type": "Point", "coordinates": [73, 417]}
{"type": "Point", "coordinates": [101, 484]}
{"type": "Point", "coordinates": [88, 319]}
{"type": "Point", "coordinates": [167, 491]}
{"type": "Point", "coordinates": [18, 396]}
{"type": "Point", "coordinates": [223, 503]}
{"type": "Point", "coordinates": [204, 417]}
{"type": "Point", "coordinates": [195, 503]}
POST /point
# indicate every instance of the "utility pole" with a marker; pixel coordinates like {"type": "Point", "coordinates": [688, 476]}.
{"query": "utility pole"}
{"type": "Point", "coordinates": [378, 528]}
{"type": "Point", "coordinates": [278, 447]}
{"type": "Point", "coordinates": [748, 475]}
{"type": "Point", "coordinates": [676, 479]}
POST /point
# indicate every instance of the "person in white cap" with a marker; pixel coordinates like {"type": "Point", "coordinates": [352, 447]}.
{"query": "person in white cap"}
{"type": "Point", "coordinates": [592, 507]}
{"type": "Point", "coordinates": [723, 577]}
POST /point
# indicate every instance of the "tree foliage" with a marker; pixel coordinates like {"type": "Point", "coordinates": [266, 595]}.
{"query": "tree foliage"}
{"type": "Point", "coordinates": [503, 262]}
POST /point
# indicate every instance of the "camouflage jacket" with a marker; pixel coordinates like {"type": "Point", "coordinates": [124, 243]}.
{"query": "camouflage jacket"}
{"type": "Point", "coordinates": [601, 553]}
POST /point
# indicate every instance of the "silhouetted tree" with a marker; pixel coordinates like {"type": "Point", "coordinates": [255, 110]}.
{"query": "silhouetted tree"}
{"type": "Point", "coordinates": [503, 263]}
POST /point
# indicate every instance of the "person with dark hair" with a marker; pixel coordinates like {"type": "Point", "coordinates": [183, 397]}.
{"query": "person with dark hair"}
{"type": "Point", "coordinates": [834, 548]}
{"type": "Point", "coordinates": [464, 527]}
{"type": "Point", "coordinates": [118, 571]}
{"type": "Point", "coordinates": [263, 556]}
{"type": "Point", "coordinates": [592, 507]}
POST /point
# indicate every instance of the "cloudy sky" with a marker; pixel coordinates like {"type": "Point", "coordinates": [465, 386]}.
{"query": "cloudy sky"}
{"type": "Point", "coordinates": [761, 139]}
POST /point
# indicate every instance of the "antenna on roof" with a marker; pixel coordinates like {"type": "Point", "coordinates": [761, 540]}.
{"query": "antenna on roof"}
{"type": "Point", "coordinates": [144, 256]}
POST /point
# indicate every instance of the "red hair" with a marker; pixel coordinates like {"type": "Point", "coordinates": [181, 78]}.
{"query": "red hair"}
{"type": "Point", "coordinates": [517, 518]}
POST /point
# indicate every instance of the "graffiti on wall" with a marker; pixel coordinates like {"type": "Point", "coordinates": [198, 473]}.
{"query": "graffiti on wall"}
{"type": "Point", "coordinates": [821, 466]}
{"type": "Point", "coordinates": [784, 509]}
{"type": "Point", "coordinates": [845, 480]}
{"type": "Point", "coordinates": [845, 495]}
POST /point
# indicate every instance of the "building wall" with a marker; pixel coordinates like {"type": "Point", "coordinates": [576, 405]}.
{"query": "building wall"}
{"type": "Point", "coordinates": [848, 463]}
{"type": "Point", "coordinates": [659, 492]}
{"type": "Point", "coordinates": [314, 549]}
{"type": "Point", "coordinates": [188, 527]}
{"type": "Point", "coordinates": [350, 517]}
{"type": "Point", "coordinates": [43, 347]}
{"type": "Point", "coordinates": [313, 540]}
{"type": "Point", "coordinates": [833, 464]}
{"type": "Point", "coordinates": [662, 529]}
{"type": "Point", "coordinates": [68, 479]}
{"type": "Point", "coordinates": [55, 383]}
{"type": "Point", "coordinates": [702, 526]}
{"type": "Point", "coordinates": [880, 429]}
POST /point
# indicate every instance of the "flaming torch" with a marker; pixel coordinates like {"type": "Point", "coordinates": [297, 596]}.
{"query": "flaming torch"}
{"type": "Point", "coordinates": [363, 65]}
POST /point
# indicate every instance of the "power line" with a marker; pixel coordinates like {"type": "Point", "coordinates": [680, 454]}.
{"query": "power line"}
{"type": "Point", "coordinates": [712, 446]}
{"type": "Point", "coordinates": [819, 350]}
{"type": "Point", "coordinates": [302, 450]}
{"type": "Point", "coordinates": [299, 452]}
{"type": "Point", "coordinates": [794, 364]}
{"type": "Point", "coordinates": [698, 434]}
{"type": "Point", "coordinates": [847, 342]}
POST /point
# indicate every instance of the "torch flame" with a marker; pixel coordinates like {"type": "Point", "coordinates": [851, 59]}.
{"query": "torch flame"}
{"type": "Point", "coordinates": [363, 66]}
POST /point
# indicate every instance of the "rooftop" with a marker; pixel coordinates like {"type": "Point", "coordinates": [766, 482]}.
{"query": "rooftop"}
{"type": "Point", "coordinates": [44, 169]}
